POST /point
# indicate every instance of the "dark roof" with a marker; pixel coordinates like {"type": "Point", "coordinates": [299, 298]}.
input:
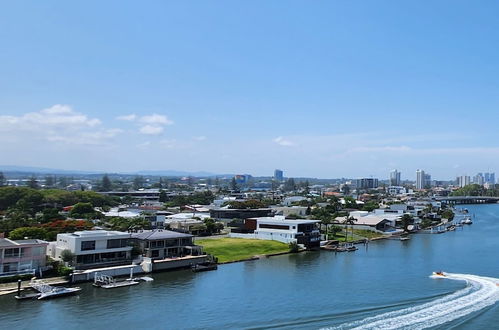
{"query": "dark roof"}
{"type": "Point", "coordinates": [158, 234]}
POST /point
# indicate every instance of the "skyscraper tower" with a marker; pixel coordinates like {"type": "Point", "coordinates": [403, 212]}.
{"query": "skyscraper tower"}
{"type": "Point", "coordinates": [420, 179]}
{"type": "Point", "coordinates": [395, 178]}
{"type": "Point", "coordinates": [279, 175]}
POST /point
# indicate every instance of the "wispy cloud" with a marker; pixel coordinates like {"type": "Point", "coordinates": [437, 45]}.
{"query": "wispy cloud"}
{"type": "Point", "coordinates": [151, 129]}
{"type": "Point", "coordinates": [283, 142]}
{"type": "Point", "coordinates": [153, 124]}
{"type": "Point", "coordinates": [58, 115]}
{"type": "Point", "coordinates": [130, 117]}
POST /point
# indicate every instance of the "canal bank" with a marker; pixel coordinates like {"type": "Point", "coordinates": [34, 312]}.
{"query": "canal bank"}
{"type": "Point", "coordinates": [308, 290]}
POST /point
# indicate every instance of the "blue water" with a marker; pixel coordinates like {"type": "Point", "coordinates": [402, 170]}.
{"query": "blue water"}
{"type": "Point", "coordinates": [310, 290]}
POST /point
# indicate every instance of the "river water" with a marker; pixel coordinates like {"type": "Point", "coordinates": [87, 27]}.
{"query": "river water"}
{"type": "Point", "coordinates": [386, 285]}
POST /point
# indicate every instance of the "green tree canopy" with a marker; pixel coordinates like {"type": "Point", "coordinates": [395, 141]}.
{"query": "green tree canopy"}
{"type": "Point", "coordinates": [28, 233]}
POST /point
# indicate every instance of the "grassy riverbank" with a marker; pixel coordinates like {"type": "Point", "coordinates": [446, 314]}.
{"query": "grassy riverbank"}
{"type": "Point", "coordinates": [234, 249]}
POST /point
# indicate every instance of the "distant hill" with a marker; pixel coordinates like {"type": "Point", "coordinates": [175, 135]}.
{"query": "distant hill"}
{"type": "Point", "coordinates": [42, 170]}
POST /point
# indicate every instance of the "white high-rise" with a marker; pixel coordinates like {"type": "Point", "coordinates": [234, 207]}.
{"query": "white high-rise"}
{"type": "Point", "coordinates": [420, 179]}
{"type": "Point", "coordinates": [463, 180]}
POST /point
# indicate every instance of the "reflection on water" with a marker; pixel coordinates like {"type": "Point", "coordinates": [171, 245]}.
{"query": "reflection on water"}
{"type": "Point", "coordinates": [307, 290]}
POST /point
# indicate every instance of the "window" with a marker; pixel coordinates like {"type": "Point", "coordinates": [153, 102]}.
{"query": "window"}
{"type": "Point", "coordinates": [10, 267]}
{"type": "Point", "coordinates": [87, 245]}
{"type": "Point", "coordinates": [9, 253]}
{"type": "Point", "coordinates": [269, 226]}
{"type": "Point", "coordinates": [154, 253]}
{"type": "Point", "coordinates": [117, 243]}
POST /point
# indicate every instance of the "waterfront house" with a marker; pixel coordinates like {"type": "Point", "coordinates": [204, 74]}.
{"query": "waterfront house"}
{"type": "Point", "coordinates": [162, 244]}
{"type": "Point", "coordinates": [230, 214]}
{"type": "Point", "coordinates": [94, 248]}
{"type": "Point", "coordinates": [22, 256]}
{"type": "Point", "coordinates": [280, 229]}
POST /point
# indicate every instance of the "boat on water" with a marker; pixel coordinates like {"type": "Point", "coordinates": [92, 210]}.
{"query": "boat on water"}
{"type": "Point", "coordinates": [46, 291]}
{"type": "Point", "coordinates": [467, 221]}
{"type": "Point", "coordinates": [439, 274]}
{"type": "Point", "coordinates": [451, 228]}
{"type": "Point", "coordinates": [204, 267]}
{"type": "Point", "coordinates": [404, 238]}
{"type": "Point", "coordinates": [109, 282]}
{"type": "Point", "coordinates": [59, 292]}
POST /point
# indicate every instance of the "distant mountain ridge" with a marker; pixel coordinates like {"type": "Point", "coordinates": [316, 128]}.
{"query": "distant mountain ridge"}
{"type": "Point", "coordinates": [44, 170]}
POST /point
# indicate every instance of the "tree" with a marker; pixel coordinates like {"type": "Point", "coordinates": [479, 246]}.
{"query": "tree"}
{"type": "Point", "coordinates": [28, 233]}
{"type": "Point", "coordinates": [82, 210]}
{"type": "Point", "coordinates": [308, 211]}
{"type": "Point", "coordinates": [33, 183]}
{"type": "Point", "coordinates": [294, 247]}
{"type": "Point", "coordinates": [138, 182]}
{"type": "Point", "coordinates": [2, 179]}
{"type": "Point", "coordinates": [106, 183]}
{"type": "Point", "coordinates": [370, 206]}
{"type": "Point", "coordinates": [49, 181]}
{"type": "Point", "coordinates": [67, 256]}
{"type": "Point", "coordinates": [163, 197]}
{"type": "Point", "coordinates": [406, 221]}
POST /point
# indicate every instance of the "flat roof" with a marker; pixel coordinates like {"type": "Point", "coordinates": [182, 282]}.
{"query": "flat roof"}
{"type": "Point", "coordinates": [159, 234]}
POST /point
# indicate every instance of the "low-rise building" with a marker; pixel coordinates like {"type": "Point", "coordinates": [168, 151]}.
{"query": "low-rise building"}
{"type": "Point", "coordinates": [230, 214]}
{"type": "Point", "coordinates": [278, 228]}
{"type": "Point", "coordinates": [94, 248]}
{"type": "Point", "coordinates": [162, 244]}
{"type": "Point", "coordinates": [22, 256]}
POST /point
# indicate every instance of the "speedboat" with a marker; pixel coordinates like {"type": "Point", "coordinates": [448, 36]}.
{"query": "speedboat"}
{"type": "Point", "coordinates": [467, 221]}
{"type": "Point", "coordinates": [439, 274]}
{"type": "Point", "coordinates": [59, 292]}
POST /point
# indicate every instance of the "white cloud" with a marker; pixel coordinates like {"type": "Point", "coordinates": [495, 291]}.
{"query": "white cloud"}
{"type": "Point", "coordinates": [59, 125]}
{"type": "Point", "coordinates": [151, 129]}
{"type": "Point", "coordinates": [55, 116]}
{"type": "Point", "coordinates": [130, 117]}
{"type": "Point", "coordinates": [156, 119]}
{"type": "Point", "coordinates": [283, 142]}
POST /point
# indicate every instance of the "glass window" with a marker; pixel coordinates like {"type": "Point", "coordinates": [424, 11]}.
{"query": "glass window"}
{"type": "Point", "coordinates": [11, 253]}
{"type": "Point", "coordinates": [87, 245]}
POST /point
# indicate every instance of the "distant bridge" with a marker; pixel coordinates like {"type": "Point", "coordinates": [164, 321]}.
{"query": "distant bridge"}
{"type": "Point", "coordinates": [467, 200]}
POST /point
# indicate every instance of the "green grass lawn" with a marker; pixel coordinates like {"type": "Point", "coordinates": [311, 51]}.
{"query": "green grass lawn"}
{"type": "Point", "coordinates": [358, 234]}
{"type": "Point", "coordinates": [233, 249]}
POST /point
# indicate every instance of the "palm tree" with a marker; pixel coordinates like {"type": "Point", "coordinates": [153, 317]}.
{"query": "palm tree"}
{"type": "Point", "coordinates": [349, 221]}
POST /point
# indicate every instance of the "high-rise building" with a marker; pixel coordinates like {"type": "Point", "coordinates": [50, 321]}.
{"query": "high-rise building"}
{"type": "Point", "coordinates": [367, 183]}
{"type": "Point", "coordinates": [279, 175]}
{"type": "Point", "coordinates": [463, 180]}
{"type": "Point", "coordinates": [420, 179]}
{"type": "Point", "coordinates": [490, 178]}
{"type": "Point", "coordinates": [427, 180]}
{"type": "Point", "coordinates": [479, 179]}
{"type": "Point", "coordinates": [395, 178]}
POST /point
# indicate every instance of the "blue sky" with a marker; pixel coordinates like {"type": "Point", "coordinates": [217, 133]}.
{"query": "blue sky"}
{"type": "Point", "coordinates": [320, 89]}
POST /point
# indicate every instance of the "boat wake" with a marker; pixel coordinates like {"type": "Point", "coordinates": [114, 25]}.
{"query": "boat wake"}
{"type": "Point", "coordinates": [478, 294]}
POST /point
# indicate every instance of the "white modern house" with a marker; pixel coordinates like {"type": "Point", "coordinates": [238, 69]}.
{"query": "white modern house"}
{"type": "Point", "coordinates": [93, 248]}
{"type": "Point", "coordinates": [280, 229]}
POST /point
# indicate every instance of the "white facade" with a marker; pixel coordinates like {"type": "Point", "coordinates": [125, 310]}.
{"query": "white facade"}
{"type": "Point", "coordinates": [90, 242]}
{"type": "Point", "coordinates": [279, 229]}
{"type": "Point", "coordinates": [420, 179]}
{"type": "Point", "coordinates": [463, 181]}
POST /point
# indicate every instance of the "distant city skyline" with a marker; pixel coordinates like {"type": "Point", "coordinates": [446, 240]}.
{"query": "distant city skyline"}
{"type": "Point", "coordinates": [326, 90]}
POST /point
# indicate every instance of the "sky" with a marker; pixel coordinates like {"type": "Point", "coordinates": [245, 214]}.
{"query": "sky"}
{"type": "Point", "coordinates": [323, 89]}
